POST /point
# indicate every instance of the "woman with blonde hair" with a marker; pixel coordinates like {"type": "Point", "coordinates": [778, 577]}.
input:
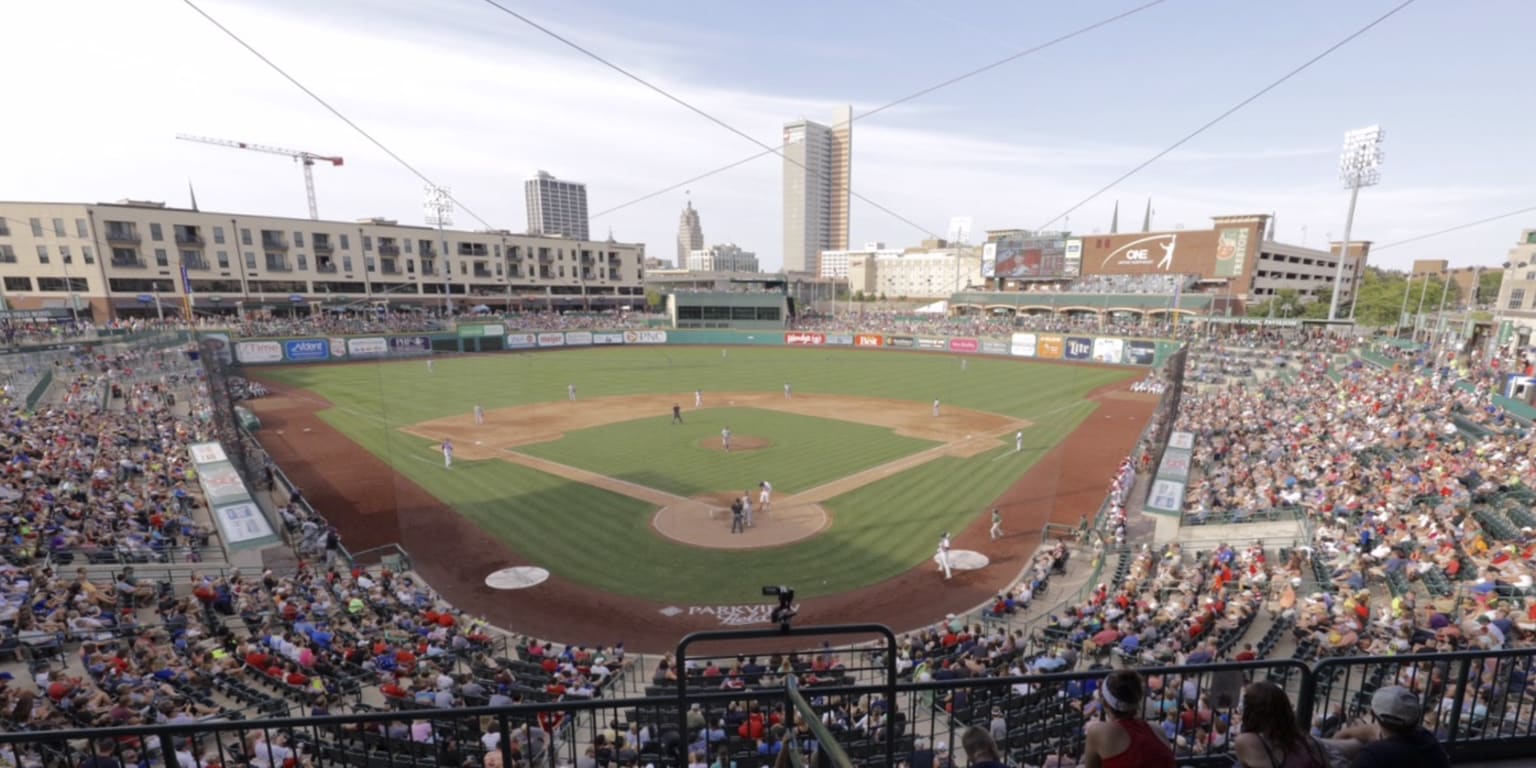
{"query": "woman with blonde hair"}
{"type": "Point", "coordinates": [1123, 739]}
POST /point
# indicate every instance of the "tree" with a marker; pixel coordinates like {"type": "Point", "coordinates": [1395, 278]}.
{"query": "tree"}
{"type": "Point", "coordinates": [1488, 287]}
{"type": "Point", "coordinates": [858, 295]}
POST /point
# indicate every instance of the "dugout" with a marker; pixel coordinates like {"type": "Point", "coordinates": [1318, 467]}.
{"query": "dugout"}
{"type": "Point", "coordinates": [750, 305]}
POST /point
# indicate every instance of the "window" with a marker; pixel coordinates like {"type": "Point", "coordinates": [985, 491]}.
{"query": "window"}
{"type": "Point", "coordinates": [82, 229]}
{"type": "Point", "coordinates": [250, 259]}
{"type": "Point", "coordinates": [7, 254]}
{"type": "Point", "coordinates": [58, 227]}
{"type": "Point", "coordinates": [37, 227]}
{"type": "Point", "coordinates": [161, 260]}
{"type": "Point", "coordinates": [245, 236]}
{"type": "Point", "coordinates": [18, 283]}
{"type": "Point", "coordinates": [223, 257]}
{"type": "Point", "coordinates": [368, 263]}
{"type": "Point", "coordinates": [1530, 275]}
{"type": "Point", "coordinates": [192, 260]}
{"type": "Point", "coordinates": [346, 261]}
{"type": "Point", "coordinates": [367, 243]}
{"type": "Point", "coordinates": [298, 239]}
{"type": "Point", "coordinates": [42, 254]}
{"type": "Point", "coordinates": [155, 232]}
{"type": "Point", "coordinates": [65, 255]}
{"type": "Point", "coordinates": [346, 244]}
{"type": "Point", "coordinates": [125, 257]}
{"type": "Point", "coordinates": [61, 285]}
{"type": "Point", "coordinates": [1516, 297]}
{"type": "Point", "coordinates": [302, 259]}
{"type": "Point", "coordinates": [5, 229]}
{"type": "Point", "coordinates": [407, 245]}
{"type": "Point", "coordinates": [140, 285]}
{"type": "Point", "coordinates": [218, 235]}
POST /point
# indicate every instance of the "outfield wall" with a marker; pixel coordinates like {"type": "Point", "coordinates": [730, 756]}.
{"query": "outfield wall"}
{"type": "Point", "coordinates": [494, 337]}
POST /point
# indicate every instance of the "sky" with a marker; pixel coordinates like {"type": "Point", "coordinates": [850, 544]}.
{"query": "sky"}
{"type": "Point", "coordinates": [476, 100]}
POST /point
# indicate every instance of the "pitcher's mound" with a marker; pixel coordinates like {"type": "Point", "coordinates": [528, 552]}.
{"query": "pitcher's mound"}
{"type": "Point", "coordinates": [706, 522]}
{"type": "Point", "coordinates": [738, 443]}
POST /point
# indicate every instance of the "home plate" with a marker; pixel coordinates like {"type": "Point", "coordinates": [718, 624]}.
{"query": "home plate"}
{"type": "Point", "coordinates": [517, 577]}
{"type": "Point", "coordinates": [967, 560]}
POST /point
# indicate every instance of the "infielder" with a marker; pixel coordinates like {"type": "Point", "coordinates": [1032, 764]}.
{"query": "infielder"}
{"type": "Point", "coordinates": [935, 409]}
{"type": "Point", "coordinates": [789, 392]}
{"type": "Point", "coordinates": [746, 506]}
{"type": "Point", "coordinates": [570, 392]}
{"type": "Point", "coordinates": [479, 415]}
{"type": "Point", "coordinates": [942, 556]}
{"type": "Point", "coordinates": [725, 439]}
{"type": "Point", "coordinates": [447, 454]}
{"type": "Point", "coordinates": [997, 524]}
{"type": "Point", "coordinates": [1018, 441]}
{"type": "Point", "coordinates": [677, 414]}
{"type": "Point", "coordinates": [764, 495]}
{"type": "Point", "coordinates": [698, 398]}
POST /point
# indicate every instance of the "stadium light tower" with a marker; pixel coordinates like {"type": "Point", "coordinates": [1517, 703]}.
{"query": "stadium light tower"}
{"type": "Point", "coordinates": [1359, 166]}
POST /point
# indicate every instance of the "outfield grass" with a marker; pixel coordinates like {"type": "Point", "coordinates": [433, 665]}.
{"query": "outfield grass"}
{"type": "Point", "coordinates": [602, 539]}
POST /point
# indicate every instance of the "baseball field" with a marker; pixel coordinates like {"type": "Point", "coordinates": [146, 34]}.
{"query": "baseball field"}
{"type": "Point", "coordinates": [608, 492]}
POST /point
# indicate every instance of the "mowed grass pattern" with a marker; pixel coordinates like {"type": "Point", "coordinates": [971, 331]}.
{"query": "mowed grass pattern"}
{"type": "Point", "coordinates": [605, 541]}
{"type": "Point", "coordinates": [804, 451]}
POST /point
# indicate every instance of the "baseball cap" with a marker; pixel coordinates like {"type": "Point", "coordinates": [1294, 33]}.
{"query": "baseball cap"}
{"type": "Point", "coordinates": [1396, 704]}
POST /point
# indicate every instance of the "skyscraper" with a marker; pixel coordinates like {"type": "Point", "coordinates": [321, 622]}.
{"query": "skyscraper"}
{"type": "Point", "coordinates": [556, 207]}
{"type": "Point", "coordinates": [818, 171]}
{"type": "Point", "coordinates": [690, 236]}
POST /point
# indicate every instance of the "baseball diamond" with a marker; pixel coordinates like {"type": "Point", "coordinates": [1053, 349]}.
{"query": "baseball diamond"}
{"type": "Point", "coordinates": [629, 511]}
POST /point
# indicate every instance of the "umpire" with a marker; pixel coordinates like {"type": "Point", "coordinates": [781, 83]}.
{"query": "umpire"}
{"type": "Point", "coordinates": [738, 517]}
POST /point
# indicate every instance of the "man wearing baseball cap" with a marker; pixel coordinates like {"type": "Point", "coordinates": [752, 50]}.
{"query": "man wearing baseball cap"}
{"type": "Point", "coordinates": [1404, 743]}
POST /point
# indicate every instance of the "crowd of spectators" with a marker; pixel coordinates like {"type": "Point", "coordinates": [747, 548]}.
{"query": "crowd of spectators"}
{"type": "Point", "coordinates": [1156, 284]}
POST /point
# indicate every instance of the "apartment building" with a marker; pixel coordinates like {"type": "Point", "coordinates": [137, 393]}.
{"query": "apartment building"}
{"type": "Point", "coordinates": [133, 258]}
{"type": "Point", "coordinates": [935, 269]}
{"type": "Point", "coordinates": [726, 257]}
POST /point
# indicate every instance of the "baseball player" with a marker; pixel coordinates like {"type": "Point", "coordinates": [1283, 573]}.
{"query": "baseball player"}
{"type": "Point", "coordinates": [447, 454]}
{"type": "Point", "coordinates": [738, 522]}
{"type": "Point", "coordinates": [942, 556]}
{"type": "Point", "coordinates": [1018, 441]}
{"type": "Point", "coordinates": [963, 363]}
{"type": "Point", "coordinates": [746, 506]}
{"type": "Point", "coordinates": [764, 495]}
{"type": "Point", "coordinates": [725, 439]}
{"type": "Point", "coordinates": [698, 398]}
{"type": "Point", "coordinates": [479, 415]}
{"type": "Point", "coordinates": [677, 414]}
{"type": "Point", "coordinates": [789, 391]}
{"type": "Point", "coordinates": [997, 524]}
{"type": "Point", "coordinates": [935, 409]}
{"type": "Point", "coordinates": [570, 392]}
{"type": "Point", "coordinates": [429, 365]}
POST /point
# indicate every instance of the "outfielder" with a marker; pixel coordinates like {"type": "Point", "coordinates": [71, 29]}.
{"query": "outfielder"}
{"type": "Point", "coordinates": [447, 454]}
{"type": "Point", "coordinates": [1018, 441]}
{"type": "Point", "coordinates": [963, 363]}
{"type": "Point", "coordinates": [997, 524]}
{"type": "Point", "coordinates": [935, 409]}
{"type": "Point", "coordinates": [479, 415]}
{"type": "Point", "coordinates": [429, 365]}
{"type": "Point", "coordinates": [570, 392]}
{"type": "Point", "coordinates": [942, 556]}
{"type": "Point", "coordinates": [725, 439]}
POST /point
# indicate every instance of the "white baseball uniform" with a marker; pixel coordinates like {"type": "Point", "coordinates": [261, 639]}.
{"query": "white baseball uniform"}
{"type": "Point", "coordinates": [698, 399]}
{"type": "Point", "coordinates": [447, 454]}
{"type": "Point", "coordinates": [788, 392]}
{"type": "Point", "coordinates": [479, 415]}
{"type": "Point", "coordinates": [746, 507]}
{"type": "Point", "coordinates": [429, 365]}
{"type": "Point", "coordinates": [943, 556]}
{"type": "Point", "coordinates": [1018, 440]}
{"type": "Point", "coordinates": [570, 391]}
{"type": "Point", "coordinates": [764, 493]}
{"type": "Point", "coordinates": [935, 408]}
{"type": "Point", "coordinates": [725, 438]}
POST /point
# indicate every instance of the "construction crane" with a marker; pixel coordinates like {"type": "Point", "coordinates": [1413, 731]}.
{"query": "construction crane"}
{"type": "Point", "coordinates": [307, 159]}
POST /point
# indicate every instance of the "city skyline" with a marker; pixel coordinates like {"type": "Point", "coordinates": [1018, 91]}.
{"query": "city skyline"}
{"type": "Point", "coordinates": [1076, 116]}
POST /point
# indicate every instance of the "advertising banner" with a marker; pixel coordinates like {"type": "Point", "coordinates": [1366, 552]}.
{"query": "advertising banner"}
{"type": "Point", "coordinates": [242, 521]}
{"type": "Point", "coordinates": [1074, 259]}
{"type": "Point", "coordinates": [964, 345]}
{"type": "Point", "coordinates": [258, 352]}
{"type": "Point", "coordinates": [903, 342]}
{"type": "Point", "coordinates": [1231, 251]}
{"type": "Point", "coordinates": [1167, 497]}
{"type": "Point", "coordinates": [645, 337]}
{"type": "Point", "coordinates": [1175, 465]}
{"type": "Point", "coordinates": [607, 338]}
{"type": "Point", "coordinates": [840, 339]}
{"type": "Point", "coordinates": [989, 347]}
{"type": "Point", "coordinates": [931, 344]}
{"type": "Point", "coordinates": [1024, 344]}
{"type": "Point", "coordinates": [1184, 441]}
{"type": "Point", "coordinates": [1078, 348]}
{"type": "Point", "coordinates": [408, 346]}
{"type": "Point", "coordinates": [222, 484]}
{"type": "Point", "coordinates": [207, 453]}
{"type": "Point", "coordinates": [805, 339]}
{"type": "Point", "coordinates": [551, 339]}
{"type": "Point", "coordinates": [1107, 350]}
{"type": "Point", "coordinates": [338, 347]}
{"type": "Point", "coordinates": [1026, 257]}
{"type": "Point", "coordinates": [521, 340]}
{"type": "Point", "coordinates": [1140, 352]}
{"type": "Point", "coordinates": [306, 350]}
{"type": "Point", "coordinates": [1049, 346]}
{"type": "Point", "coordinates": [868, 340]}
{"type": "Point", "coordinates": [478, 330]}
{"type": "Point", "coordinates": [369, 346]}
{"type": "Point", "coordinates": [578, 338]}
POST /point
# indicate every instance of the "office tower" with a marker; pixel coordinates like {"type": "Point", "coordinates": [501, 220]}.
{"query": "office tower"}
{"type": "Point", "coordinates": [690, 236]}
{"type": "Point", "coordinates": [556, 207]}
{"type": "Point", "coordinates": [818, 170]}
